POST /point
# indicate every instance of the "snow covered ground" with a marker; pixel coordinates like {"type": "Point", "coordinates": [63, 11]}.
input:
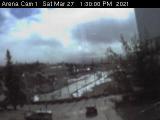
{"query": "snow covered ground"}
{"type": "Point", "coordinates": [76, 89]}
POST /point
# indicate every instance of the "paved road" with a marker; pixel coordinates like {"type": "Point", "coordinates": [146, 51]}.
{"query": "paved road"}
{"type": "Point", "coordinates": [71, 111]}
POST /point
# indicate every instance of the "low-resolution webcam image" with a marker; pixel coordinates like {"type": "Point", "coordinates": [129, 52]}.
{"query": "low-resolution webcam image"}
{"type": "Point", "coordinates": [79, 64]}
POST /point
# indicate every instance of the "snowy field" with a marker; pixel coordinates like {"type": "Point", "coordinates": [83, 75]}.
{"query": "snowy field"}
{"type": "Point", "coordinates": [71, 111]}
{"type": "Point", "coordinates": [76, 89]}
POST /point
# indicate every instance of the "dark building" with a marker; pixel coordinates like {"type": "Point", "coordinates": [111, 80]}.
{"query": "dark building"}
{"type": "Point", "coordinates": [148, 22]}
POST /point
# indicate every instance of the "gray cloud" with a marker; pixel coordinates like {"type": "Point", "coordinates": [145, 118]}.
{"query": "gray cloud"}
{"type": "Point", "coordinates": [105, 31]}
{"type": "Point", "coordinates": [2, 17]}
{"type": "Point", "coordinates": [21, 13]}
{"type": "Point", "coordinates": [33, 49]}
{"type": "Point", "coordinates": [40, 42]}
{"type": "Point", "coordinates": [98, 36]}
{"type": "Point", "coordinates": [2, 21]}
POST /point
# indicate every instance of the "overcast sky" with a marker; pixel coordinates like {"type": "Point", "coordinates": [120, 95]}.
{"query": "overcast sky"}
{"type": "Point", "coordinates": [57, 35]}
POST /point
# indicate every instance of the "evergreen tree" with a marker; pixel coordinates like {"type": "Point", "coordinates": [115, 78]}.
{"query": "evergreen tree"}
{"type": "Point", "coordinates": [15, 95]}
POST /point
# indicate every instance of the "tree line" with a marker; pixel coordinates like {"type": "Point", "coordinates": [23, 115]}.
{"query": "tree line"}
{"type": "Point", "coordinates": [137, 70]}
